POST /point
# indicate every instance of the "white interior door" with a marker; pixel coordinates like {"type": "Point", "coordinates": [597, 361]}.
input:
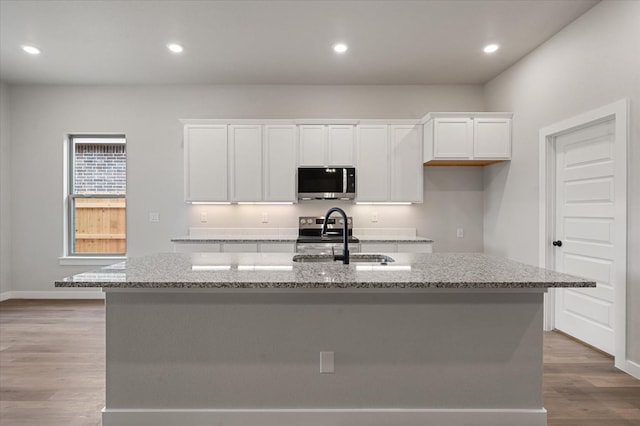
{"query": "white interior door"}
{"type": "Point", "coordinates": [585, 223]}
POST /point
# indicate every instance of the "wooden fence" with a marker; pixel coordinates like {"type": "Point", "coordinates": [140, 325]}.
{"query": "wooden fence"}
{"type": "Point", "coordinates": [100, 225]}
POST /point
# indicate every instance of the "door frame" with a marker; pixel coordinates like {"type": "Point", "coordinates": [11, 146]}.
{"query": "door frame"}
{"type": "Point", "coordinates": [619, 111]}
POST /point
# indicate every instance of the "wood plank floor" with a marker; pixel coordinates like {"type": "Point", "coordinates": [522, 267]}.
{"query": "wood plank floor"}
{"type": "Point", "coordinates": [52, 371]}
{"type": "Point", "coordinates": [51, 362]}
{"type": "Point", "coordinates": [583, 388]}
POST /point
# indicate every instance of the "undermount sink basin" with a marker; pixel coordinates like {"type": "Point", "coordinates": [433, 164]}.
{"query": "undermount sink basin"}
{"type": "Point", "coordinates": [354, 258]}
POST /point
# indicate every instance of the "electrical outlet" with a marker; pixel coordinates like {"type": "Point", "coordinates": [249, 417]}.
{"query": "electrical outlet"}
{"type": "Point", "coordinates": [154, 217]}
{"type": "Point", "coordinates": [374, 217]}
{"type": "Point", "coordinates": [265, 217]}
{"type": "Point", "coordinates": [203, 217]}
{"type": "Point", "coordinates": [460, 233]}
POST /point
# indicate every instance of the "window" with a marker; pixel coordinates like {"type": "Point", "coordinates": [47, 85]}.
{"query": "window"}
{"type": "Point", "coordinates": [96, 203]}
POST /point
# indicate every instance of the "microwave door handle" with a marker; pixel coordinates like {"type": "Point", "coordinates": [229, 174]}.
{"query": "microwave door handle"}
{"type": "Point", "coordinates": [344, 180]}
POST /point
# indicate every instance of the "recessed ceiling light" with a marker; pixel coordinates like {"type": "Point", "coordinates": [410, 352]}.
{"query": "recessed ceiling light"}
{"type": "Point", "coordinates": [32, 50]}
{"type": "Point", "coordinates": [175, 48]}
{"type": "Point", "coordinates": [490, 48]}
{"type": "Point", "coordinates": [340, 47]}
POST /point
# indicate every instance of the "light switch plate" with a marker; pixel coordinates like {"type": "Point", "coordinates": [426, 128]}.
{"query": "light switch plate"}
{"type": "Point", "coordinates": [460, 233]}
{"type": "Point", "coordinates": [326, 362]}
{"type": "Point", "coordinates": [154, 217]}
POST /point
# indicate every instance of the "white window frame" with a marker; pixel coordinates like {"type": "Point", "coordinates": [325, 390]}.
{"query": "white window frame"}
{"type": "Point", "coordinates": [68, 257]}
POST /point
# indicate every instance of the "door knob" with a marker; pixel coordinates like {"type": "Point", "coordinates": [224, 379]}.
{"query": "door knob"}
{"type": "Point", "coordinates": [557, 243]}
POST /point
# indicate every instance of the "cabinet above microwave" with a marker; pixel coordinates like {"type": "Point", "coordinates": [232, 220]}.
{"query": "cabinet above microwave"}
{"type": "Point", "coordinates": [327, 145]}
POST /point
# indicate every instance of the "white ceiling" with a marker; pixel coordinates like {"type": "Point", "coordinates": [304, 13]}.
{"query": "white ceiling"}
{"type": "Point", "coordinates": [272, 42]}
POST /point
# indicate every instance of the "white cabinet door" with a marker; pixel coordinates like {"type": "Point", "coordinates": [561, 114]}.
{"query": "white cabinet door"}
{"type": "Point", "coordinates": [240, 247]}
{"type": "Point", "coordinates": [406, 163]}
{"type": "Point", "coordinates": [492, 138]}
{"type": "Point", "coordinates": [415, 247]}
{"type": "Point", "coordinates": [372, 166]}
{"type": "Point", "coordinates": [279, 163]}
{"type": "Point", "coordinates": [379, 248]}
{"type": "Point", "coordinates": [277, 247]}
{"type": "Point", "coordinates": [312, 145]}
{"type": "Point", "coordinates": [246, 162]}
{"type": "Point", "coordinates": [340, 145]}
{"type": "Point", "coordinates": [452, 137]}
{"type": "Point", "coordinates": [205, 163]}
{"type": "Point", "coordinates": [196, 247]}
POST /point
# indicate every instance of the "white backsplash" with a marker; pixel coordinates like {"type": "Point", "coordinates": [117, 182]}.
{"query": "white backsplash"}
{"type": "Point", "coordinates": [201, 232]}
{"type": "Point", "coordinates": [383, 233]}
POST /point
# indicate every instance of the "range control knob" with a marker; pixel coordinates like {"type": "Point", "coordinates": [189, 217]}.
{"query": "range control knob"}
{"type": "Point", "coordinates": [303, 221]}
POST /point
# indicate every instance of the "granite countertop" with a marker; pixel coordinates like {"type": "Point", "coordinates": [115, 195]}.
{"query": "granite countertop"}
{"type": "Point", "coordinates": [236, 239]}
{"type": "Point", "coordinates": [278, 271]}
{"type": "Point", "coordinates": [290, 239]}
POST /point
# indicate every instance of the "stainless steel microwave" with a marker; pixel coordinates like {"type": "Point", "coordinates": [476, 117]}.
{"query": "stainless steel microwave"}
{"type": "Point", "coordinates": [326, 183]}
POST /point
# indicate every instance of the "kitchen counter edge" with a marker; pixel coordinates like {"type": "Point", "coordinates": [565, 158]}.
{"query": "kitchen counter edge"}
{"type": "Point", "coordinates": [281, 239]}
{"type": "Point", "coordinates": [421, 271]}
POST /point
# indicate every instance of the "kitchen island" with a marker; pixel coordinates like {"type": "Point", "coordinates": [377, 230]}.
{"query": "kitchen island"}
{"type": "Point", "coordinates": [257, 339]}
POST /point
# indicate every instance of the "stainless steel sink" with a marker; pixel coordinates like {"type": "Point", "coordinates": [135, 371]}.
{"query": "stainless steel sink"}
{"type": "Point", "coordinates": [354, 258]}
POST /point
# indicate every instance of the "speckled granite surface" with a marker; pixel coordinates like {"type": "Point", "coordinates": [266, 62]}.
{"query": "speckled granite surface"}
{"type": "Point", "coordinates": [236, 239]}
{"type": "Point", "coordinates": [278, 271]}
{"type": "Point", "coordinates": [286, 239]}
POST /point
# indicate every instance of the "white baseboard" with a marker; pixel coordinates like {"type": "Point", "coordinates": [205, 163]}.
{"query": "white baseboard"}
{"type": "Point", "coordinates": [629, 367]}
{"type": "Point", "coordinates": [58, 294]}
{"type": "Point", "coordinates": [323, 417]}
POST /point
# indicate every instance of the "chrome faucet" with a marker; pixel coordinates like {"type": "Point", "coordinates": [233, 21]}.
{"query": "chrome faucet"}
{"type": "Point", "coordinates": [345, 234]}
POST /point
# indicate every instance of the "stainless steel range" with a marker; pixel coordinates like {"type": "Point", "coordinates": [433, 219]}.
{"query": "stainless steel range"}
{"type": "Point", "coordinates": [310, 240]}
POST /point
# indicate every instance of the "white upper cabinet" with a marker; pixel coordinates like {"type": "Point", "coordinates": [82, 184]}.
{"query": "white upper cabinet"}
{"type": "Point", "coordinates": [492, 138]}
{"type": "Point", "coordinates": [372, 173]}
{"type": "Point", "coordinates": [205, 163]}
{"type": "Point", "coordinates": [452, 137]}
{"type": "Point", "coordinates": [468, 138]}
{"type": "Point", "coordinates": [240, 162]}
{"type": "Point", "coordinates": [245, 143]}
{"type": "Point", "coordinates": [340, 145]}
{"type": "Point", "coordinates": [406, 167]}
{"type": "Point", "coordinates": [279, 163]}
{"type": "Point", "coordinates": [313, 145]}
{"type": "Point", "coordinates": [327, 145]}
{"type": "Point", "coordinates": [389, 163]}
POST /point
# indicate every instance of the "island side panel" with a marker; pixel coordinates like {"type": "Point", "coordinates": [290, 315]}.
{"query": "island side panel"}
{"type": "Point", "coordinates": [454, 350]}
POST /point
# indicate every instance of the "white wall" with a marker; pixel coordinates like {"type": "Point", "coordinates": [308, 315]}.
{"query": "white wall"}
{"type": "Point", "coordinates": [5, 234]}
{"type": "Point", "coordinates": [148, 116]}
{"type": "Point", "coordinates": [592, 62]}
